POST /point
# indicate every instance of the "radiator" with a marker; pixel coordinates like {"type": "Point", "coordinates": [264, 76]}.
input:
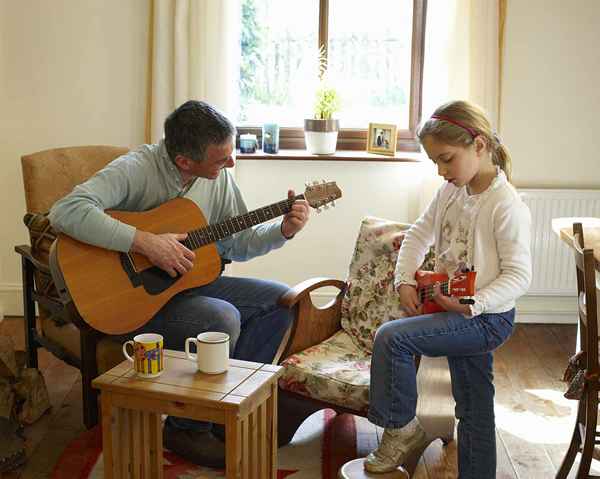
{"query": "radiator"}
{"type": "Point", "coordinates": [553, 265]}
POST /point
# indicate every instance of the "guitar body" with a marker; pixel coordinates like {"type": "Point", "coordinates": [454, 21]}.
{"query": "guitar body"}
{"type": "Point", "coordinates": [116, 292]}
{"type": "Point", "coordinates": [462, 284]}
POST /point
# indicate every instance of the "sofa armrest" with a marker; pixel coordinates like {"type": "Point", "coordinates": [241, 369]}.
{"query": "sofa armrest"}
{"type": "Point", "coordinates": [312, 324]}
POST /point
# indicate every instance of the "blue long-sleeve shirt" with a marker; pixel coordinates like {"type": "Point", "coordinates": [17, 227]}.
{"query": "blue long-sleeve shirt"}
{"type": "Point", "coordinates": [143, 179]}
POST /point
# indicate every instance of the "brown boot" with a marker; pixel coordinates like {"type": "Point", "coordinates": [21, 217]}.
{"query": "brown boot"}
{"type": "Point", "coordinates": [201, 448]}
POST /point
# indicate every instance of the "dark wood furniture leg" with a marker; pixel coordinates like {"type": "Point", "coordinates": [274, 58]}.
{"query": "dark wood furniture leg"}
{"type": "Point", "coordinates": [31, 345]}
{"type": "Point", "coordinates": [89, 370]}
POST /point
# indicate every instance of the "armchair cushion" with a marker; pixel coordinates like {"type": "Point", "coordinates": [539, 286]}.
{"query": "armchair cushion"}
{"type": "Point", "coordinates": [335, 371]}
{"type": "Point", "coordinates": [370, 299]}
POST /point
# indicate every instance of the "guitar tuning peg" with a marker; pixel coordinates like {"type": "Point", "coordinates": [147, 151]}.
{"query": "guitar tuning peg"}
{"type": "Point", "coordinates": [326, 207]}
{"type": "Point", "coordinates": [333, 203]}
{"type": "Point", "coordinates": [323, 181]}
{"type": "Point", "coordinates": [318, 210]}
{"type": "Point", "coordinates": [307, 184]}
{"type": "Point", "coordinates": [315, 182]}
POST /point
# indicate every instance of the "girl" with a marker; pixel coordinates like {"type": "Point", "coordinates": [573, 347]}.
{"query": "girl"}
{"type": "Point", "coordinates": [476, 219]}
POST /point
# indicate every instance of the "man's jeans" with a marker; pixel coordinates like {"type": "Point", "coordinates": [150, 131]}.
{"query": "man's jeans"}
{"type": "Point", "coordinates": [247, 309]}
{"type": "Point", "coordinates": [468, 344]}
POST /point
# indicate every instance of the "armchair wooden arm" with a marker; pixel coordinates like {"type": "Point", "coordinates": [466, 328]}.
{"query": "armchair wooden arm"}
{"type": "Point", "coordinates": [312, 324]}
{"type": "Point", "coordinates": [25, 251]}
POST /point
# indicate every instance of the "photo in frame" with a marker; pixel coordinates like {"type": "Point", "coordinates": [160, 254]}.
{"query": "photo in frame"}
{"type": "Point", "coordinates": [381, 139]}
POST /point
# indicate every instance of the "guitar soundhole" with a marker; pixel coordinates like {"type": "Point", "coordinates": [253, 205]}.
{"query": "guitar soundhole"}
{"type": "Point", "coordinates": [156, 280]}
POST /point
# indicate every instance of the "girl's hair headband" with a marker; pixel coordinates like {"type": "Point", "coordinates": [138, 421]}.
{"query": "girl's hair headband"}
{"type": "Point", "coordinates": [471, 131]}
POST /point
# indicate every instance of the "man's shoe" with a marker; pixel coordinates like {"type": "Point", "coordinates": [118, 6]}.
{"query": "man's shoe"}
{"type": "Point", "coordinates": [395, 447]}
{"type": "Point", "coordinates": [201, 448]}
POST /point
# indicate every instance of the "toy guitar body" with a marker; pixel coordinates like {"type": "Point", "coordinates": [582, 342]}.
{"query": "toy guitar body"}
{"type": "Point", "coordinates": [460, 285]}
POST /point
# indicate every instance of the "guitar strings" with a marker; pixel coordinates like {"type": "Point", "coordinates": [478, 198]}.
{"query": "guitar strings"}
{"type": "Point", "coordinates": [426, 292]}
{"type": "Point", "coordinates": [212, 233]}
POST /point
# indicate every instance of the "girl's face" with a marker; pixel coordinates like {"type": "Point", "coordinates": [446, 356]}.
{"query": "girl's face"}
{"type": "Point", "coordinates": [458, 165]}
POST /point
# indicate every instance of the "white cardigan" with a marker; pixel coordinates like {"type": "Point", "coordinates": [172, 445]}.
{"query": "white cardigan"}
{"type": "Point", "coordinates": [499, 246]}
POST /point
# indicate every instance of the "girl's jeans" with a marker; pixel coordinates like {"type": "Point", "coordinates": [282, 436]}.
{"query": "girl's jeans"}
{"type": "Point", "coordinates": [468, 344]}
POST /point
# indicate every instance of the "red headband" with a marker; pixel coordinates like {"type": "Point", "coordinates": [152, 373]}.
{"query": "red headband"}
{"type": "Point", "coordinates": [471, 131]}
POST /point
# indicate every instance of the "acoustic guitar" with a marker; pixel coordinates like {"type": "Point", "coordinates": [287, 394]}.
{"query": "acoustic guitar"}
{"type": "Point", "coordinates": [460, 285]}
{"type": "Point", "coordinates": [117, 293]}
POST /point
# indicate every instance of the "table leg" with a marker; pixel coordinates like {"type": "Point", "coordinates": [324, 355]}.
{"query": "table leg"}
{"type": "Point", "coordinates": [263, 445]}
{"type": "Point", "coordinates": [272, 432]}
{"type": "Point", "coordinates": [156, 446]}
{"type": "Point", "coordinates": [233, 446]}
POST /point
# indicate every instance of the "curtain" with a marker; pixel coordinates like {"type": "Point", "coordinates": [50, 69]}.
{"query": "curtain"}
{"type": "Point", "coordinates": [193, 54]}
{"type": "Point", "coordinates": [462, 53]}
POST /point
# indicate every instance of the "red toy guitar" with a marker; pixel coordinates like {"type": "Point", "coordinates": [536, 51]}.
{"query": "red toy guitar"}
{"type": "Point", "coordinates": [462, 284]}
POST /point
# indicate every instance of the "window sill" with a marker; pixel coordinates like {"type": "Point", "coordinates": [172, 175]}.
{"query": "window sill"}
{"type": "Point", "coordinates": [340, 155]}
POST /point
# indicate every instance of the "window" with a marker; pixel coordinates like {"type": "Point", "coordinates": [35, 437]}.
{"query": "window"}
{"type": "Point", "coordinates": [374, 55]}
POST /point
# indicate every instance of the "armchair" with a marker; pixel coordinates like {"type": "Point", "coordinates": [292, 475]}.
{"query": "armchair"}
{"type": "Point", "coordinates": [327, 359]}
{"type": "Point", "coordinates": [47, 176]}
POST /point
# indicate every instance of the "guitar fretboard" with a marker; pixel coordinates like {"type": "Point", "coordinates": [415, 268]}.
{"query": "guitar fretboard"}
{"type": "Point", "coordinates": [426, 292]}
{"type": "Point", "coordinates": [211, 233]}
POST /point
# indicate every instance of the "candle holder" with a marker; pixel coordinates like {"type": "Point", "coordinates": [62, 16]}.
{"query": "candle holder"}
{"type": "Point", "coordinates": [270, 138]}
{"type": "Point", "coordinates": [247, 143]}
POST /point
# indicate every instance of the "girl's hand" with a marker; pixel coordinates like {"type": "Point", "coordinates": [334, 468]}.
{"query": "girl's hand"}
{"type": "Point", "coordinates": [409, 299]}
{"type": "Point", "coordinates": [449, 303]}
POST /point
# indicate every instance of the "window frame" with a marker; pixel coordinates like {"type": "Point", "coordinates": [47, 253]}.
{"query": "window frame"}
{"type": "Point", "coordinates": [354, 138]}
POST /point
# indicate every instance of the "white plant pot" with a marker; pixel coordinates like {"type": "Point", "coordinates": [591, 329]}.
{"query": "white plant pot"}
{"type": "Point", "coordinates": [321, 136]}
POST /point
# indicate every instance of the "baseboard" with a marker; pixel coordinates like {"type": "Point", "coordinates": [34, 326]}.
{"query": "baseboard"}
{"type": "Point", "coordinates": [547, 309]}
{"type": "Point", "coordinates": [11, 299]}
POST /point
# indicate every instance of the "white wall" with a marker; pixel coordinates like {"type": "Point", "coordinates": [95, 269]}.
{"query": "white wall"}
{"type": "Point", "coordinates": [551, 92]}
{"type": "Point", "coordinates": [324, 247]}
{"type": "Point", "coordinates": [72, 72]}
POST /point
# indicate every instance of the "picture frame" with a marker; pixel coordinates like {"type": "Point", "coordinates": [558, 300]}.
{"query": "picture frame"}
{"type": "Point", "coordinates": [382, 138]}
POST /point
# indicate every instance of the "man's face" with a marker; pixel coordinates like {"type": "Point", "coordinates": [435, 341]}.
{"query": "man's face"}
{"type": "Point", "coordinates": [217, 158]}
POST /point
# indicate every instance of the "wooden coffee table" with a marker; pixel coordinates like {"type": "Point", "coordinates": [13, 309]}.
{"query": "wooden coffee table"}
{"type": "Point", "coordinates": [244, 399]}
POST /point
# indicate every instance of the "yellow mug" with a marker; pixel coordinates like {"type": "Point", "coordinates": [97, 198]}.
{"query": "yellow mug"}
{"type": "Point", "coordinates": [148, 357]}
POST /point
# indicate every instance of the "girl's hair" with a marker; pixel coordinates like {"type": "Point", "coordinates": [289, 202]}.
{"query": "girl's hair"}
{"type": "Point", "coordinates": [458, 123]}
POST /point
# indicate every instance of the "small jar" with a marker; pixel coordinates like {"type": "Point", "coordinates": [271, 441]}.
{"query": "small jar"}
{"type": "Point", "coordinates": [270, 138]}
{"type": "Point", "coordinates": [247, 143]}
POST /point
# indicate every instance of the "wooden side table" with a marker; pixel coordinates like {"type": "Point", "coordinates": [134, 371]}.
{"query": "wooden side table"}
{"type": "Point", "coordinates": [244, 399]}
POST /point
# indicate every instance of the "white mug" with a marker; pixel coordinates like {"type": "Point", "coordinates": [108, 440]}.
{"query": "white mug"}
{"type": "Point", "coordinates": [212, 355]}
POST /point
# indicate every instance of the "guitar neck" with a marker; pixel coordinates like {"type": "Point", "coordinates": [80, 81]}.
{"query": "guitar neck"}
{"type": "Point", "coordinates": [212, 233]}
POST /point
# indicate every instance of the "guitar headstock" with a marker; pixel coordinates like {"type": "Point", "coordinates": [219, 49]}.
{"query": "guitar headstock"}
{"type": "Point", "coordinates": [320, 195]}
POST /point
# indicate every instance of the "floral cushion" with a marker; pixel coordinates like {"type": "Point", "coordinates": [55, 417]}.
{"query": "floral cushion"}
{"type": "Point", "coordinates": [370, 299]}
{"type": "Point", "coordinates": [335, 371]}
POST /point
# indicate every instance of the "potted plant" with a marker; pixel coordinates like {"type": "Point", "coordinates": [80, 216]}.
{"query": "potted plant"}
{"type": "Point", "coordinates": [320, 132]}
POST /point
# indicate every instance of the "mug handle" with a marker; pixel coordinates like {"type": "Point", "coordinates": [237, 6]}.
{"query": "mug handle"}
{"type": "Point", "coordinates": [192, 356]}
{"type": "Point", "coordinates": [125, 350]}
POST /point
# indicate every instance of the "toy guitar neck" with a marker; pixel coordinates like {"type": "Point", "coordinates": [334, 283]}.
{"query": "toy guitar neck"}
{"type": "Point", "coordinates": [460, 285]}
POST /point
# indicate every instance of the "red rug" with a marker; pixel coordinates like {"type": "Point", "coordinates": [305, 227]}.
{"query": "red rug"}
{"type": "Point", "coordinates": [320, 447]}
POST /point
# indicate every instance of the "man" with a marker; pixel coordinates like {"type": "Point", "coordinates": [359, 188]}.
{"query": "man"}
{"type": "Point", "coordinates": [191, 161]}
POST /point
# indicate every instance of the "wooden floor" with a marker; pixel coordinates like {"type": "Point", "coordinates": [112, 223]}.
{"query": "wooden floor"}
{"type": "Point", "coordinates": [534, 421]}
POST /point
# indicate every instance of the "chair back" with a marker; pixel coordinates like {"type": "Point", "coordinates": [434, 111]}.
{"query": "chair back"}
{"type": "Point", "coordinates": [586, 300]}
{"type": "Point", "coordinates": [51, 174]}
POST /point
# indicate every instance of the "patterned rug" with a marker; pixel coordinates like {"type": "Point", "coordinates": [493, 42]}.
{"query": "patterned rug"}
{"type": "Point", "coordinates": [321, 446]}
